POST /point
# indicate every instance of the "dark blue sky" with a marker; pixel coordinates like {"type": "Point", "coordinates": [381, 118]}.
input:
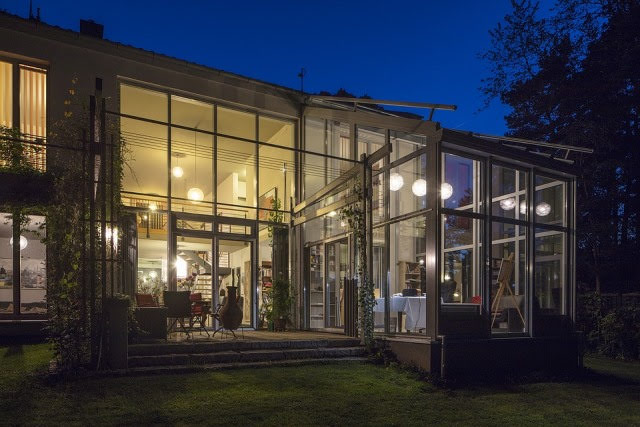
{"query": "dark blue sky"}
{"type": "Point", "coordinates": [400, 50]}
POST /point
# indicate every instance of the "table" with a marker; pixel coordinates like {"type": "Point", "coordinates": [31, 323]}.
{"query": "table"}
{"type": "Point", "coordinates": [415, 309]}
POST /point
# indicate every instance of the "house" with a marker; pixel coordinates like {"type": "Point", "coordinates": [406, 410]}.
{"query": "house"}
{"type": "Point", "coordinates": [235, 181]}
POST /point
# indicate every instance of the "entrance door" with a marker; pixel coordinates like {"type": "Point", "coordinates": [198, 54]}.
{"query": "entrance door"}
{"type": "Point", "coordinates": [337, 272]}
{"type": "Point", "coordinates": [235, 268]}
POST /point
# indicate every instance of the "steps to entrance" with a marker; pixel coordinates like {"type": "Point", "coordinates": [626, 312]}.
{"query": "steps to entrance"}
{"type": "Point", "coordinates": [186, 357]}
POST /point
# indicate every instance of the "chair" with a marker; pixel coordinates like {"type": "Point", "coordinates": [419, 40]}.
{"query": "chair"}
{"type": "Point", "coordinates": [200, 311]}
{"type": "Point", "coordinates": [178, 305]}
{"type": "Point", "coordinates": [145, 300]}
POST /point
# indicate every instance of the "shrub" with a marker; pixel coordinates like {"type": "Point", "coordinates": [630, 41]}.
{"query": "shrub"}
{"type": "Point", "coordinates": [619, 333]}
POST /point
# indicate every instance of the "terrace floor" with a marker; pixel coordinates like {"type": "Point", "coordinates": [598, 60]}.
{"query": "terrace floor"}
{"type": "Point", "coordinates": [253, 335]}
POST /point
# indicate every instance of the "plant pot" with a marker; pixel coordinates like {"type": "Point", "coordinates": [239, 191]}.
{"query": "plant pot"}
{"type": "Point", "coordinates": [280, 325]}
{"type": "Point", "coordinates": [231, 312]}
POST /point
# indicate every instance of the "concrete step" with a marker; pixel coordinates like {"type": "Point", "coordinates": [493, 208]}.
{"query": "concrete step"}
{"type": "Point", "coordinates": [245, 356]}
{"type": "Point", "coordinates": [163, 348]}
{"type": "Point", "coordinates": [184, 369]}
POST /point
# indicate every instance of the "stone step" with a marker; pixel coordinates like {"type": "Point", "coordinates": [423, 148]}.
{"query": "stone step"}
{"type": "Point", "coordinates": [248, 356]}
{"type": "Point", "coordinates": [164, 348]}
{"type": "Point", "coordinates": [184, 369]}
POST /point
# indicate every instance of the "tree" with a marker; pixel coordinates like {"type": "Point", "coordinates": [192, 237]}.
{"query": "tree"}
{"type": "Point", "coordinates": [574, 78]}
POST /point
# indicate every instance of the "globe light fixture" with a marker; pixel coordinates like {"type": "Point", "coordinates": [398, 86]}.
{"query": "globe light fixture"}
{"type": "Point", "coordinates": [523, 207]}
{"type": "Point", "coordinates": [177, 171]}
{"type": "Point", "coordinates": [543, 209]}
{"type": "Point", "coordinates": [396, 181]}
{"type": "Point", "coordinates": [195, 194]}
{"type": "Point", "coordinates": [508, 204]}
{"type": "Point", "coordinates": [446, 190]}
{"type": "Point", "coordinates": [23, 242]}
{"type": "Point", "coordinates": [419, 187]}
{"type": "Point", "coordinates": [332, 214]}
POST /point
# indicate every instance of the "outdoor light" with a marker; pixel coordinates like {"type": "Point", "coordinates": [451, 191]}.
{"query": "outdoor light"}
{"type": "Point", "coordinates": [395, 181]}
{"type": "Point", "coordinates": [153, 206]}
{"type": "Point", "coordinates": [446, 190]}
{"type": "Point", "coordinates": [543, 209]}
{"type": "Point", "coordinates": [419, 187]}
{"type": "Point", "coordinates": [195, 194]}
{"type": "Point", "coordinates": [23, 242]}
{"type": "Point", "coordinates": [177, 171]}
{"type": "Point", "coordinates": [508, 204]}
{"type": "Point", "coordinates": [523, 207]}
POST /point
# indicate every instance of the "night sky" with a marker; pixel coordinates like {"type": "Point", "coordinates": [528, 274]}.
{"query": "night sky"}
{"type": "Point", "coordinates": [399, 50]}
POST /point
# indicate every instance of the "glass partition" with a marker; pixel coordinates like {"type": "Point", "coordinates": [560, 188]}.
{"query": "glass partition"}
{"type": "Point", "coordinates": [549, 201]}
{"type": "Point", "coordinates": [550, 272]}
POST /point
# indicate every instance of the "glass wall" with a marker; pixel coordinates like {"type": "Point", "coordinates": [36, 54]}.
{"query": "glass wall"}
{"type": "Point", "coordinates": [197, 157]}
{"type": "Point", "coordinates": [6, 94]}
{"type": "Point", "coordinates": [6, 264]}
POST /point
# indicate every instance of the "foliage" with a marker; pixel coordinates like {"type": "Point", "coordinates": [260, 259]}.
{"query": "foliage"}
{"type": "Point", "coordinates": [276, 216]}
{"type": "Point", "coordinates": [570, 76]}
{"type": "Point", "coordinates": [280, 300]}
{"type": "Point", "coordinates": [152, 285]}
{"type": "Point", "coordinates": [613, 332]}
{"type": "Point", "coordinates": [355, 217]}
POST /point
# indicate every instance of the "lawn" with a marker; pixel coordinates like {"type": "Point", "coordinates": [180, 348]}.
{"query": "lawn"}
{"type": "Point", "coordinates": [338, 394]}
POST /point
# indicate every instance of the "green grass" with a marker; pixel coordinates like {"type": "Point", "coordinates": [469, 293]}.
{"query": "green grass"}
{"type": "Point", "coordinates": [310, 395]}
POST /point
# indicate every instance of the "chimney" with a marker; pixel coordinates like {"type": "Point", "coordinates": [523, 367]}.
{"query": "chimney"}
{"type": "Point", "coordinates": [91, 28]}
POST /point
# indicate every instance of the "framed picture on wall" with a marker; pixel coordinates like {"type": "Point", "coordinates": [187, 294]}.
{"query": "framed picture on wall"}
{"type": "Point", "coordinates": [266, 201]}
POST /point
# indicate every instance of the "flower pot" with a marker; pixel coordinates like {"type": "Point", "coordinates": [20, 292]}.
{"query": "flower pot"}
{"type": "Point", "coordinates": [231, 312]}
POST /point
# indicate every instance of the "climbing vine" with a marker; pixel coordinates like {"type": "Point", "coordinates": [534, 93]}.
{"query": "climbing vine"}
{"type": "Point", "coordinates": [355, 217]}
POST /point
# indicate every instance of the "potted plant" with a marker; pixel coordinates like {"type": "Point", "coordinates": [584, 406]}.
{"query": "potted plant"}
{"type": "Point", "coordinates": [280, 304]}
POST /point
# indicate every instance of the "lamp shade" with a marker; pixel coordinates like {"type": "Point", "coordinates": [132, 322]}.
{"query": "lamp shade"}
{"type": "Point", "coordinates": [543, 209]}
{"type": "Point", "coordinates": [195, 194]}
{"type": "Point", "coordinates": [396, 181]}
{"type": "Point", "coordinates": [419, 187]}
{"type": "Point", "coordinates": [446, 190]}
{"type": "Point", "coordinates": [23, 242]}
{"type": "Point", "coordinates": [177, 171]}
{"type": "Point", "coordinates": [508, 204]}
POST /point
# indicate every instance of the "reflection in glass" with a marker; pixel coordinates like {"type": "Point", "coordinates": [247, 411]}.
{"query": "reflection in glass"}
{"type": "Point", "coordinates": [462, 175]}
{"type": "Point", "coordinates": [461, 279]}
{"type": "Point", "coordinates": [236, 169]}
{"type": "Point", "coordinates": [146, 170]}
{"type": "Point", "coordinates": [550, 272]}
{"type": "Point", "coordinates": [508, 192]}
{"type": "Point", "coordinates": [6, 264]}
{"type": "Point", "coordinates": [33, 268]}
{"type": "Point", "coordinates": [549, 201]}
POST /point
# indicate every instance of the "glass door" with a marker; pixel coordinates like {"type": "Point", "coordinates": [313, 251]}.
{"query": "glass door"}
{"type": "Point", "coordinates": [235, 269]}
{"type": "Point", "coordinates": [315, 286]}
{"type": "Point", "coordinates": [337, 270]}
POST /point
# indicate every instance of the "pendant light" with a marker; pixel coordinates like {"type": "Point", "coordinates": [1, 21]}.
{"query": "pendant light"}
{"type": "Point", "coordinates": [446, 190]}
{"type": "Point", "coordinates": [508, 204]}
{"type": "Point", "coordinates": [23, 242]}
{"type": "Point", "coordinates": [543, 209]}
{"type": "Point", "coordinates": [195, 194]}
{"type": "Point", "coordinates": [419, 187]}
{"type": "Point", "coordinates": [396, 181]}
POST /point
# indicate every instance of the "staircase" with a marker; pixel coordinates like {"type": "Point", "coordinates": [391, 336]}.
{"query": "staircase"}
{"type": "Point", "coordinates": [210, 355]}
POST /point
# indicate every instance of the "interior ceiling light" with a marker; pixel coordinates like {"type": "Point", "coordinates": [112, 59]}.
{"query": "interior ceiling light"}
{"type": "Point", "coordinates": [446, 190]}
{"type": "Point", "coordinates": [396, 181]}
{"type": "Point", "coordinates": [523, 207]}
{"type": "Point", "coordinates": [508, 204]}
{"type": "Point", "coordinates": [332, 214]}
{"type": "Point", "coordinates": [153, 206]}
{"type": "Point", "coordinates": [177, 171]}
{"type": "Point", "coordinates": [195, 194]}
{"type": "Point", "coordinates": [419, 187]}
{"type": "Point", "coordinates": [23, 242]}
{"type": "Point", "coordinates": [543, 209]}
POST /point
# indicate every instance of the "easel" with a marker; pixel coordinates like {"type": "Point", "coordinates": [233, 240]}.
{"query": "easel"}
{"type": "Point", "coordinates": [504, 277]}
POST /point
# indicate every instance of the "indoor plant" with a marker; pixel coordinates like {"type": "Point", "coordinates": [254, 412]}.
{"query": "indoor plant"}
{"type": "Point", "coordinates": [281, 304]}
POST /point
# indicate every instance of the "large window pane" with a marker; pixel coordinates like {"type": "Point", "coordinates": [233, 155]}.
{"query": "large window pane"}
{"type": "Point", "coordinates": [236, 169]}
{"type": "Point", "coordinates": [236, 123]}
{"type": "Point", "coordinates": [143, 103]}
{"type": "Point", "coordinates": [508, 296]}
{"type": "Point", "coordinates": [370, 140]}
{"type": "Point", "coordinates": [461, 278]}
{"type": "Point", "coordinates": [6, 94]}
{"type": "Point", "coordinates": [549, 205]}
{"type": "Point", "coordinates": [550, 280]}
{"type": "Point", "coordinates": [408, 186]}
{"type": "Point", "coordinates": [191, 113]}
{"type": "Point", "coordinates": [379, 278]}
{"type": "Point", "coordinates": [191, 171]}
{"type": "Point", "coordinates": [274, 131]}
{"type": "Point", "coordinates": [33, 268]}
{"type": "Point", "coordinates": [235, 267]}
{"type": "Point", "coordinates": [33, 102]}
{"type": "Point", "coordinates": [461, 184]}
{"type": "Point", "coordinates": [508, 192]}
{"type": "Point", "coordinates": [407, 276]}
{"type": "Point", "coordinates": [6, 264]}
{"type": "Point", "coordinates": [147, 169]}
{"type": "Point", "coordinates": [152, 252]}
{"type": "Point", "coordinates": [277, 181]}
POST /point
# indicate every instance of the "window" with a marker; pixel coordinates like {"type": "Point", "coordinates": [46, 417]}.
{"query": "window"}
{"type": "Point", "coordinates": [33, 102]}
{"type": "Point", "coordinates": [6, 94]}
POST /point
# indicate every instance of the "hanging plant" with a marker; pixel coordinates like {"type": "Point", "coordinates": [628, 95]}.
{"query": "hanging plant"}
{"type": "Point", "coordinates": [355, 217]}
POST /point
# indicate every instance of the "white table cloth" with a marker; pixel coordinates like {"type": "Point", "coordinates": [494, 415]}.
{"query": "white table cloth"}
{"type": "Point", "coordinates": [414, 309]}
